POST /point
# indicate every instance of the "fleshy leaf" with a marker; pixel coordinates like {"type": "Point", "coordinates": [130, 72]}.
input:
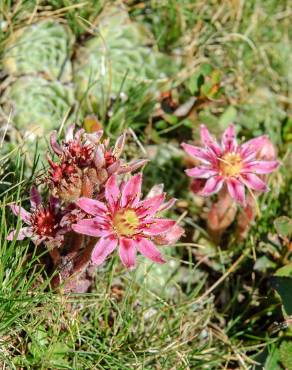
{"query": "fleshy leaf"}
{"type": "Point", "coordinates": [42, 47]}
{"type": "Point", "coordinates": [119, 57]}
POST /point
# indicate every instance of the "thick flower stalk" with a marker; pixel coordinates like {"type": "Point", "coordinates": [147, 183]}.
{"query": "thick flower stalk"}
{"type": "Point", "coordinates": [42, 221]}
{"type": "Point", "coordinates": [231, 164]}
{"type": "Point", "coordinates": [125, 222]}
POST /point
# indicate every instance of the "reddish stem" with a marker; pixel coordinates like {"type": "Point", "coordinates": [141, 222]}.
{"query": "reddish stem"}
{"type": "Point", "coordinates": [84, 259]}
{"type": "Point", "coordinates": [76, 261]}
{"type": "Point", "coordinates": [55, 256]}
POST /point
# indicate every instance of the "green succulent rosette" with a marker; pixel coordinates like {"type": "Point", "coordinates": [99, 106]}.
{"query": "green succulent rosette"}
{"type": "Point", "coordinates": [41, 48]}
{"type": "Point", "coordinates": [119, 57]}
{"type": "Point", "coordinates": [37, 105]}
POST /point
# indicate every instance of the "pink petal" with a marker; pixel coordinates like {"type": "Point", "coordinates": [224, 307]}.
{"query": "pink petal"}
{"type": "Point", "coordinates": [102, 249]}
{"type": "Point", "coordinates": [267, 152]}
{"type": "Point", "coordinates": [157, 226]}
{"type": "Point", "coordinates": [94, 137]}
{"type": "Point", "coordinates": [24, 232]}
{"type": "Point", "coordinates": [198, 153]}
{"type": "Point", "coordinates": [260, 167]}
{"type": "Point", "coordinates": [236, 190]}
{"type": "Point", "coordinates": [212, 185]}
{"type": "Point", "coordinates": [149, 250]}
{"type": "Point", "coordinates": [91, 206]}
{"type": "Point", "coordinates": [254, 182]}
{"type": "Point", "coordinates": [132, 166]}
{"type": "Point", "coordinates": [209, 141]}
{"type": "Point", "coordinates": [119, 146]}
{"type": "Point", "coordinates": [99, 159]}
{"type": "Point", "coordinates": [171, 237]}
{"type": "Point", "coordinates": [165, 206]}
{"type": "Point", "coordinates": [69, 133]}
{"type": "Point", "coordinates": [113, 168]}
{"type": "Point", "coordinates": [79, 133]}
{"type": "Point", "coordinates": [127, 251]}
{"type": "Point", "coordinates": [200, 172]}
{"type": "Point", "coordinates": [112, 192]}
{"type": "Point", "coordinates": [35, 198]}
{"type": "Point", "coordinates": [155, 190]}
{"type": "Point", "coordinates": [253, 145]}
{"type": "Point", "coordinates": [54, 144]}
{"type": "Point", "coordinates": [150, 206]}
{"type": "Point", "coordinates": [19, 211]}
{"type": "Point", "coordinates": [132, 191]}
{"type": "Point", "coordinates": [229, 139]}
{"type": "Point", "coordinates": [91, 227]}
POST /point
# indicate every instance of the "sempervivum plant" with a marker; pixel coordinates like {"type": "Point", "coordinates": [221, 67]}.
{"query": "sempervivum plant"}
{"type": "Point", "coordinates": [237, 172]}
{"type": "Point", "coordinates": [87, 204]}
{"type": "Point", "coordinates": [38, 94]}
{"type": "Point", "coordinates": [43, 47]}
{"type": "Point", "coordinates": [118, 57]}
{"type": "Point", "coordinates": [84, 164]}
{"type": "Point", "coordinates": [37, 105]}
{"type": "Point", "coordinates": [229, 164]}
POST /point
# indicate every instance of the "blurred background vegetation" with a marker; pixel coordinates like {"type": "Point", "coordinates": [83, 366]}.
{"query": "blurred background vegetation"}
{"type": "Point", "coordinates": [158, 69]}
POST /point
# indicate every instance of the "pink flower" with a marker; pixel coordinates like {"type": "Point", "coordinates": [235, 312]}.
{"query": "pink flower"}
{"type": "Point", "coordinates": [229, 163]}
{"type": "Point", "coordinates": [124, 221]}
{"type": "Point", "coordinates": [43, 222]}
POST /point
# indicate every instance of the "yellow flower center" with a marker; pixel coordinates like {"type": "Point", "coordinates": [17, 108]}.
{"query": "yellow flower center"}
{"type": "Point", "coordinates": [126, 222]}
{"type": "Point", "coordinates": [230, 164]}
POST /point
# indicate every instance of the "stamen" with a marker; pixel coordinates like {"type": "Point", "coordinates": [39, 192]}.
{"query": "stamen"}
{"type": "Point", "coordinates": [126, 222]}
{"type": "Point", "coordinates": [231, 164]}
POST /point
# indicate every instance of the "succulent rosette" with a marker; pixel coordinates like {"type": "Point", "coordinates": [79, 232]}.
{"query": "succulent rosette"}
{"type": "Point", "coordinates": [126, 222]}
{"type": "Point", "coordinates": [120, 45]}
{"type": "Point", "coordinates": [235, 165]}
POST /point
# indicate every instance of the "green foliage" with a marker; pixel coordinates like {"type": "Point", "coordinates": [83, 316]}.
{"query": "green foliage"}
{"type": "Point", "coordinates": [286, 354]}
{"type": "Point", "coordinates": [38, 105]}
{"type": "Point", "coordinates": [37, 59]}
{"type": "Point", "coordinates": [79, 15]}
{"type": "Point", "coordinates": [205, 82]}
{"type": "Point", "coordinates": [116, 59]}
{"type": "Point", "coordinates": [42, 48]}
{"type": "Point", "coordinates": [283, 285]}
{"type": "Point", "coordinates": [166, 168]}
{"type": "Point", "coordinates": [283, 225]}
{"type": "Point", "coordinates": [131, 110]}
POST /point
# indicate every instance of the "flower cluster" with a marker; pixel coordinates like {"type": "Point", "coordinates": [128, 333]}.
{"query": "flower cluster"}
{"type": "Point", "coordinates": [91, 196]}
{"type": "Point", "coordinates": [95, 204]}
{"type": "Point", "coordinates": [85, 163]}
